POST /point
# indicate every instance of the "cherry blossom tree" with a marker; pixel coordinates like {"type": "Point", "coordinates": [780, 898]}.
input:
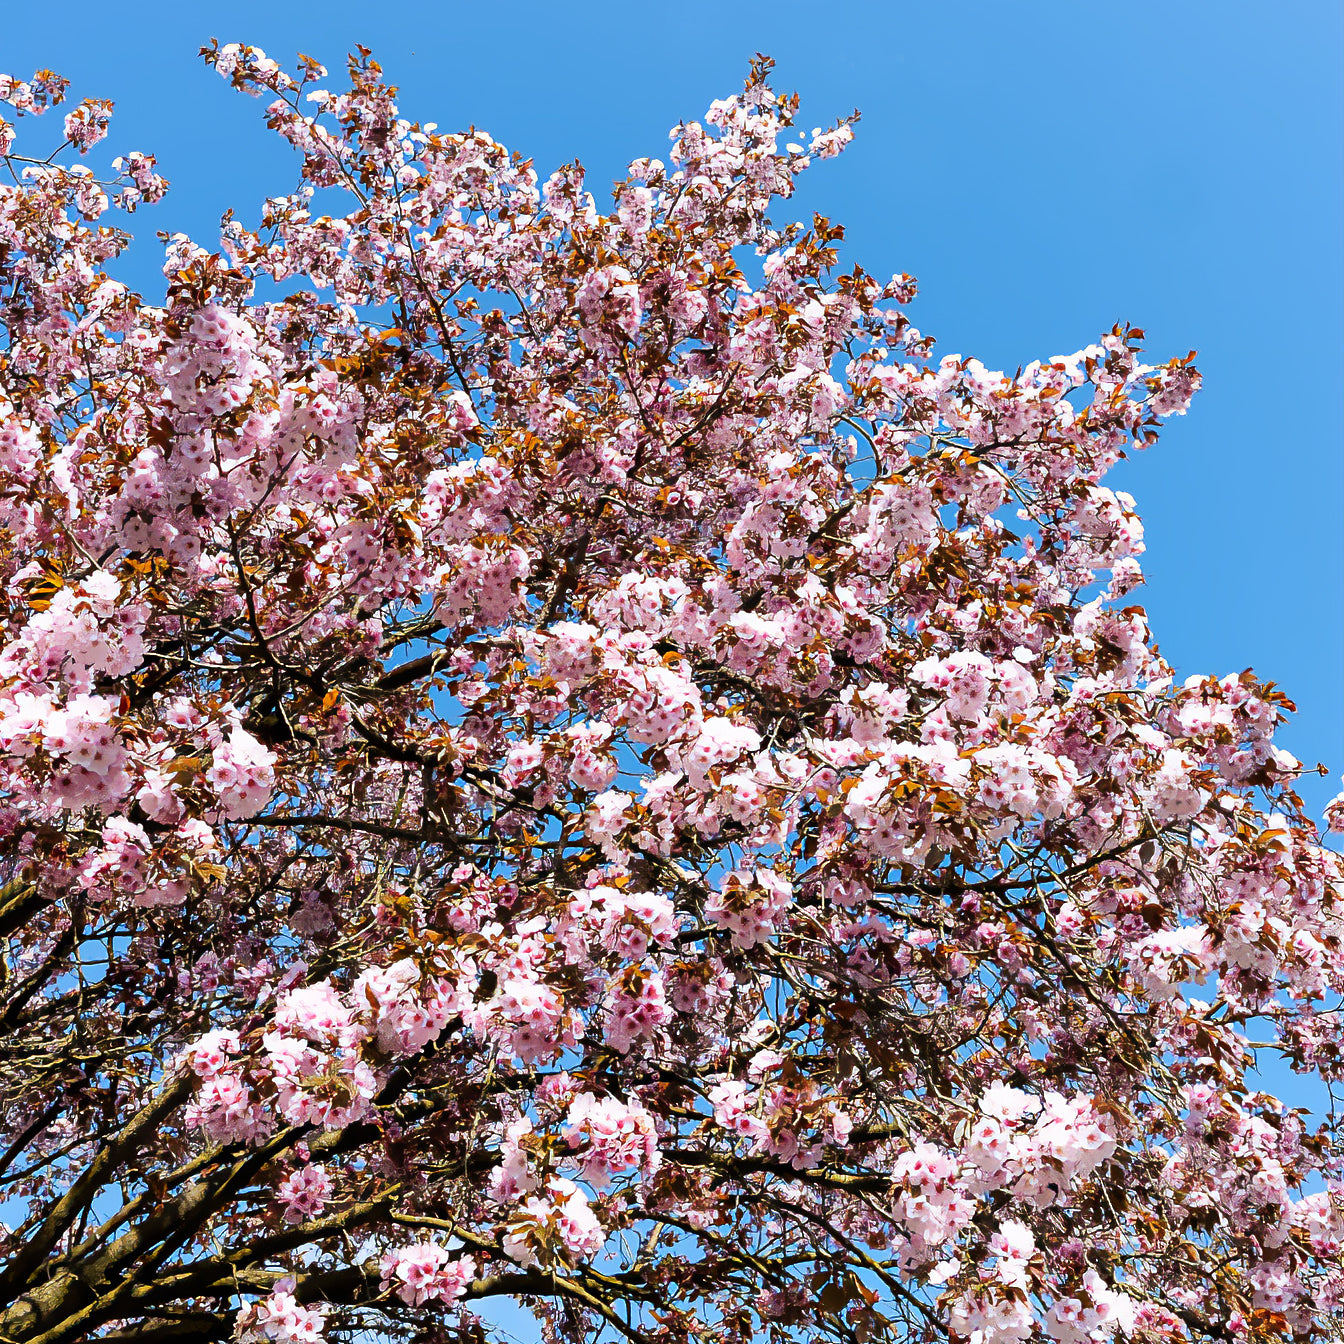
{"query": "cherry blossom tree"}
{"type": "Point", "coordinates": [560, 754]}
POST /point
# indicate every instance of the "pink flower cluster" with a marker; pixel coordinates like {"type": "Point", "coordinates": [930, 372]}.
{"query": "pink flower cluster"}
{"type": "Point", "coordinates": [637, 1008]}
{"type": "Point", "coordinates": [304, 1193]}
{"type": "Point", "coordinates": [1040, 1148]}
{"type": "Point", "coordinates": [314, 1062]}
{"type": "Point", "coordinates": [426, 1272]}
{"type": "Point", "coordinates": [558, 1226]}
{"type": "Point", "coordinates": [749, 904]}
{"type": "Point", "coordinates": [623, 922]}
{"type": "Point", "coordinates": [241, 774]}
{"type": "Point", "coordinates": [279, 1319]}
{"type": "Point", "coordinates": [612, 1136]}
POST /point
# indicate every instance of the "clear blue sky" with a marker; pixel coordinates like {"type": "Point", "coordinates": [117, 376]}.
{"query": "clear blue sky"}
{"type": "Point", "coordinates": [1044, 168]}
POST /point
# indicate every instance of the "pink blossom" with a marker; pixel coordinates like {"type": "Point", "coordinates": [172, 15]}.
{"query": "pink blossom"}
{"type": "Point", "coordinates": [304, 1193]}
{"type": "Point", "coordinates": [241, 774]}
{"type": "Point", "coordinates": [426, 1272]}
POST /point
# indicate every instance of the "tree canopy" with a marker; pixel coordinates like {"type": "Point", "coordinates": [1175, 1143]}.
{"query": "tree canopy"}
{"type": "Point", "coordinates": [555, 751]}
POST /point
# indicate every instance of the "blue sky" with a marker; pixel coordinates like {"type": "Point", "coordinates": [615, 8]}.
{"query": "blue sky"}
{"type": "Point", "coordinates": [1045, 169]}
